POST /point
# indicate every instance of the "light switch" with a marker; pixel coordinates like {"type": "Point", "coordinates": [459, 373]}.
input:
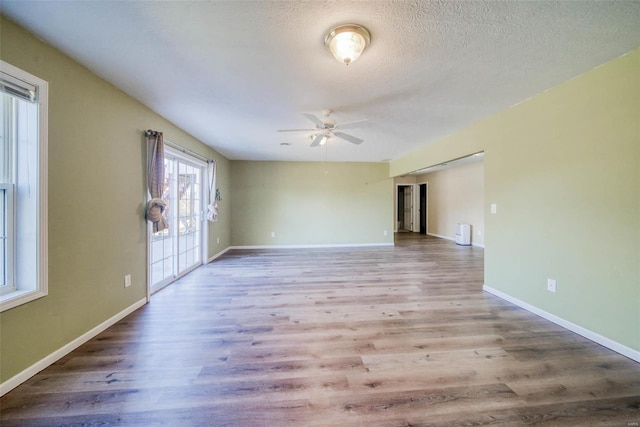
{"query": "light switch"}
{"type": "Point", "coordinates": [494, 208]}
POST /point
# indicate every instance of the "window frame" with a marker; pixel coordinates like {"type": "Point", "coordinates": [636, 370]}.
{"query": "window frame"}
{"type": "Point", "coordinates": [177, 156]}
{"type": "Point", "coordinates": [7, 202]}
{"type": "Point", "coordinates": [26, 292]}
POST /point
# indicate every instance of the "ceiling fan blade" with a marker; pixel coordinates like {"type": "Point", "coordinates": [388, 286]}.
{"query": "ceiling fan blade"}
{"type": "Point", "coordinates": [297, 130]}
{"type": "Point", "coordinates": [353, 125]}
{"type": "Point", "coordinates": [317, 140]}
{"type": "Point", "coordinates": [349, 138]}
{"type": "Point", "coordinates": [314, 119]}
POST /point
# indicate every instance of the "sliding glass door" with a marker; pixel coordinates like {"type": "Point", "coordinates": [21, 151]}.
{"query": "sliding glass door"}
{"type": "Point", "coordinates": [178, 250]}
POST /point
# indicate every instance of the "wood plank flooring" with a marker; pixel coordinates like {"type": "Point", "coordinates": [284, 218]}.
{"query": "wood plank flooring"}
{"type": "Point", "coordinates": [400, 336]}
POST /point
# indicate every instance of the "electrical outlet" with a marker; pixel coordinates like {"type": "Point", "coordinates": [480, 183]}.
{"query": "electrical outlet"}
{"type": "Point", "coordinates": [551, 285]}
{"type": "Point", "coordinates": [385, 232]}
{"type": "Point", "coordinates": [127, 280]}
{"type": "Point", "coordinates": [218, 240]}
{"type": "Point", "coordinates": [273, 234]}
{"type": "Point", "coordinates": [494, 208]}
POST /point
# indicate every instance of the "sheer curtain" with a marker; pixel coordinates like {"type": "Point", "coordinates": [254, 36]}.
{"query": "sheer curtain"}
{"type": "Point", "coordinates": [212, 209]}
{"type": "Point", "coordinates": [155, 180]}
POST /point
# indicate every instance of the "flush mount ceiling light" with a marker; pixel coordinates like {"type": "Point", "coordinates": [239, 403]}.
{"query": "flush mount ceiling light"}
{"type": "Point", "coordinates": [347, 42]}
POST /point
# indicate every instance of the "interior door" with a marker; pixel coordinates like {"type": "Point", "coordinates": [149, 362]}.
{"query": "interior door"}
{"type": "Point", "coordinates": [408, 208]}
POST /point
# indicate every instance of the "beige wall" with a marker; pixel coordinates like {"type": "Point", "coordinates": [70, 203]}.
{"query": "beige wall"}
{"type": "Point", "coordinates": [97, 232]}
{"type": "Point", "coordinates": [563, 169]}
{"type": "Point", "coordinates": [310, 203]}
{"type": "Point", "coordinates": [455, 195]}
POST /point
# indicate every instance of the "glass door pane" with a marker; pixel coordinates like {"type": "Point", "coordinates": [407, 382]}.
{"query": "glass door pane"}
{"type": "Point", "coordinates": [189, 216]}
{"type": "Point", "coordinates": [162, 243]}
{"type": "Point", "coordinates": [175, 251]}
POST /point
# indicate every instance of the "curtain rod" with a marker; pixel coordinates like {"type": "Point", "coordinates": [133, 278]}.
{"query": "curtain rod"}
{"type": "Point", "coordinates": [178, 147]}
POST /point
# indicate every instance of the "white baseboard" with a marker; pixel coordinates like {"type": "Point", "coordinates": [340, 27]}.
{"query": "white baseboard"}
{"type": "Point", "coordinates": [219, 254]}
{"type": "Point", "coordinates": [453, 239]}
{"type": "Point", "coordinates": [18, 379]}
{"type": "Point", "coordinates": [337, 245]}
{"type": "Point", "coordinates": [609, 343]}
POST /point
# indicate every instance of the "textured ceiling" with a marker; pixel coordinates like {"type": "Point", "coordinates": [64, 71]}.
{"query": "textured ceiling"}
{"type": "Point", "coordinates": [233, 72]}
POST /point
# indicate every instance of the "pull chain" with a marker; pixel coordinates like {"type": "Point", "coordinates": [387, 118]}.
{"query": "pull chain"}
{"type": "Point", "coordinates": [326, 149]}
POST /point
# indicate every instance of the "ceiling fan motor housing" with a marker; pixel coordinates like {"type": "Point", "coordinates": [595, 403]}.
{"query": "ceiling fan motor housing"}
{"type": "Point", "coordinates": [328, 123]}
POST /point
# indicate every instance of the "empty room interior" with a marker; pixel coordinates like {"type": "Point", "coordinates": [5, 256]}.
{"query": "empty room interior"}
{"type": "Point", "coordinates": [320, 213]}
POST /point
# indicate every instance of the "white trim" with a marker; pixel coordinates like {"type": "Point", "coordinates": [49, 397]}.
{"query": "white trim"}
{"type": "Point", "coordinates": [43, 185]}
{"type": "Point", "coordinates": [9, 243]}
{"type": "Point", "coordinates": [453, 239]}
{"type": "Point", "coordinates": [41, 287]}
{"type": "Point", "coordinates": [23, 376]}
{"type": "Point", "coordinates": [19, 297]}
{"type": "Point", "coordinates": [182, 155]}
{"type": "Point", "coordinates": [185, 152]}
{"type": "Point", "coordinates": [219, 254]}
{"type": "Point", "coordinates": [593, 336]}
{"type": "Point", "coordinates": [148, 260]}
{"type": "Point", "coordinates": [338, 245]}
{"type": "Point", "coordinates": [414, 208]}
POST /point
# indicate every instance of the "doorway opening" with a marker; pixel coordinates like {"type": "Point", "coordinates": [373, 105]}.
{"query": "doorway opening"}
{"type": "Point", "coordinates": [422, 210]}
{"type": "Point", "coordinates": [404, 219]}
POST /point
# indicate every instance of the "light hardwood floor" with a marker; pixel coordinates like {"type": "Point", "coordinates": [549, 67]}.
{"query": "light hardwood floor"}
{"type": "Point", "coordinates": [333, 337]}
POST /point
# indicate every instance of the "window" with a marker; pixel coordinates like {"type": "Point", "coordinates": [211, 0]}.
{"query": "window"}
{"type": "Point", "coordinates": [7, 282]}
{"type": "Point", "coordinates": [23, 187]}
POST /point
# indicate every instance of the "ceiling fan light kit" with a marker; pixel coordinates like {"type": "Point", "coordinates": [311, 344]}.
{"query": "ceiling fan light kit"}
{"type": "Point", "coordinates": [319, 140]}
{"type": "Point", "coordinates": [347, 42]}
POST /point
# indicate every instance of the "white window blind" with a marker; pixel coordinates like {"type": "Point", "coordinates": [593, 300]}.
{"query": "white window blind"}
{"type": "Point", "coordinates": [18, 88]}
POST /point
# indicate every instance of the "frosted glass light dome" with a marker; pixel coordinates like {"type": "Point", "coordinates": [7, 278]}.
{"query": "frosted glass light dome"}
{"type": "Point", "coordinates": [347, 42]}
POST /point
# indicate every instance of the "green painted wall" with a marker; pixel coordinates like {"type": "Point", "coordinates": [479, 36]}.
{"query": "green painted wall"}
{"type": "Point", "coordinates": [564, 171]}
{"type": "Point", "coordinates": [352, 203]}
{"type": "Point", "coordinates": [97, 232]}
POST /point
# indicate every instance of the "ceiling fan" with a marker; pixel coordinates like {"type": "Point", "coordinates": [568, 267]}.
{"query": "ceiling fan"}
{"type": "Point", "coordinates": [327, 127]}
